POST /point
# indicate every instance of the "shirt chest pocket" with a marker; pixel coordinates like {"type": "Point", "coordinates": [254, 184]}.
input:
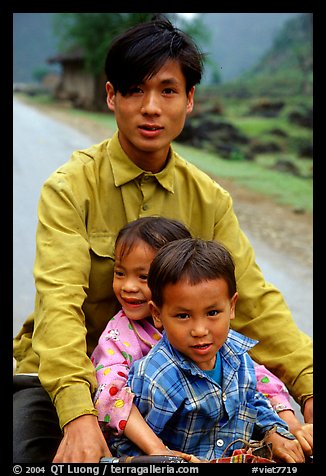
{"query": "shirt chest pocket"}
{"type": "Point", "coordinates": [247, 413]}
{"type": "Point", "coordinates": [102, 264]}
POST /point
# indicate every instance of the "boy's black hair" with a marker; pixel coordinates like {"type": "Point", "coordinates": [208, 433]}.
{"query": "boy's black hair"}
{"type": "Point", "coordinates": [193, 260]}
{"type": "Point", "coordinates": [141, 51]}
{"type": "Point", "coordinates": [154, 231]}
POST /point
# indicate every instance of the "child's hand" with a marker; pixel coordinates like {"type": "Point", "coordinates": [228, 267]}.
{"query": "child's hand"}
{"type": "Point", "coordinates": [286, 450]}
{"type": "Point", "coordinates": [304, 434]}
{"type": "Point", "coordinates": [188, 458]}
{"type": "Point", "coordinates": [302, 431]}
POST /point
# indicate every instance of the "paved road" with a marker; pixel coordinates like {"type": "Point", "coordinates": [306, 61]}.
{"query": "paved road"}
{"type": "Point", "coordinates": [40, 145]}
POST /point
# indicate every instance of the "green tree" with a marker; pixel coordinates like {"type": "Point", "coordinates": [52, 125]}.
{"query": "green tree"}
{"type": "Point", "coordinates": [39, 73]}
{"type": "Point", "coordinates": [93, 32]}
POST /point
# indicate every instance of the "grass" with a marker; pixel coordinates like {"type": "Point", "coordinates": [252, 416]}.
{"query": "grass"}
{"type": "Point", "coordinates": [102, 118]}
{"type": "Point", "coordinates": [283, 188]}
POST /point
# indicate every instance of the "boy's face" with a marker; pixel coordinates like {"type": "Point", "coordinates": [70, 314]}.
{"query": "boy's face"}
{"type": "Point", "coordinates": [196, 318]}
{"type": "Point", "coordinates": [151, 115]}
{"type": "Point", "coordinates": [130, 280]}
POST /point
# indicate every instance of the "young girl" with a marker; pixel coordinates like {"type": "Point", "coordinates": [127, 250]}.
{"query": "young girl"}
{"type": "Point", "coordinates": [130, 334]}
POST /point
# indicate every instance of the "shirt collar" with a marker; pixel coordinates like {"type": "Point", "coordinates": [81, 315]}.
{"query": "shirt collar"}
{"type": "Point", "coordinates": [124, 170]}
{"type": "Point", "coordinates": [235, 345]}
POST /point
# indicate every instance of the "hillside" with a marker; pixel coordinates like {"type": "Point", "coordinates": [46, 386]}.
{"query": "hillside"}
{"type": "Point", "coordinates": [286, 69]}
{"type": "Point", "coordinates": [266, 115]}
{"type": "Point", "coordinates": [234, 46]}
{"type": "Point", "coordinates": [238, 40]}
{"type": "Point", "coordinates": [33, 43]}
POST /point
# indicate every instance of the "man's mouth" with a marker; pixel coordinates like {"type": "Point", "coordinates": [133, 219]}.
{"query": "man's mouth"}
{"type": "Point", "coordinates": [148, 127]}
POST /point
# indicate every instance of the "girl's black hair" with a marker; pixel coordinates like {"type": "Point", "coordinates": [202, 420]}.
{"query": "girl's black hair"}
{"type": "Point", "coordinates": [141, 51]}
{"type": "Point", "coordinates": [155, 231]}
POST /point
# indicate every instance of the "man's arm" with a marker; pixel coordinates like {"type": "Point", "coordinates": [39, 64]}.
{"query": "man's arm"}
{"type": "Point", "coordinates": [263, 314]}
{"type": "Point", "coordinates": [61, 272]}
{"type": "Point", "coordinates": [308, 411]}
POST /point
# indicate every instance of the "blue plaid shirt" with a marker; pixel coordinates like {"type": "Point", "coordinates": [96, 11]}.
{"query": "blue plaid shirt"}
{"type": "Point", "coordinates": [189, 411]}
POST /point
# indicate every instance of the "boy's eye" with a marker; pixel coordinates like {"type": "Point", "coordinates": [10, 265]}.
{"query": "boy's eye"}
{"type": "Point", "coordinates": [213, 312]}
{"type": "Point", "coordinates": [143, 277]}
{"type": "Point", "coordinates": [183, 315]}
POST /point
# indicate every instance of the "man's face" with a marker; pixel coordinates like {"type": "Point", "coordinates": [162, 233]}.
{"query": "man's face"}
{"type": "Point", "coordinates": [151, 115]}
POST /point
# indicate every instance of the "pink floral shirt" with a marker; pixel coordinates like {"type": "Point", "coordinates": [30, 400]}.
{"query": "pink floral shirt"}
{"type": "Point", "coordinates": [122, 342]}
{"type": "Point", "coordinates": [273, 389]}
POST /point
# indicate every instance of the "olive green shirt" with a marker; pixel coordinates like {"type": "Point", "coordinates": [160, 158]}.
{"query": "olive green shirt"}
{"type": "Point", "coordinates": [82, 207]}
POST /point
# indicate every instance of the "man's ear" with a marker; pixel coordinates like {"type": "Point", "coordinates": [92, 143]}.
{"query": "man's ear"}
{"type": "Point", "coordinates": [190, 100]}
{"type": "Point", "coordinates": [156, 315]}
{"type": "Point", "coordinates": [110, 96]}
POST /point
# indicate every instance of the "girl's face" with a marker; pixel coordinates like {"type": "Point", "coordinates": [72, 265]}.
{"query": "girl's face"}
{"type": "Point", "coordinates": [196, 318]}
{"type": "Point", "coordinates": [130, 280]}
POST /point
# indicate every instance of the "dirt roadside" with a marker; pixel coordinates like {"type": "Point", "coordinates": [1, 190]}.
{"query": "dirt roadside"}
{"type": "Point", "coordinates": [282, 228]}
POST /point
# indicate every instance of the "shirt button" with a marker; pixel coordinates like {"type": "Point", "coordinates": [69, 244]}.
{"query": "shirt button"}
{"type": "Point", "coordinates": [223, 397]}
{"type": "Point", "coordinates": [145, 207]}
{"type": "Point", "coordinates": [220, 442]}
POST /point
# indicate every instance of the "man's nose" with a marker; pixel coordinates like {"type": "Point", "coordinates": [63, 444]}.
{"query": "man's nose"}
{"type": "Point", "coordinates": [151, 104]}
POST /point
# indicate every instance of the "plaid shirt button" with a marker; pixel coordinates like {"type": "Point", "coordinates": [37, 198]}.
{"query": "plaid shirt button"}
{"type": "Point", "coordinates": [220, 442]}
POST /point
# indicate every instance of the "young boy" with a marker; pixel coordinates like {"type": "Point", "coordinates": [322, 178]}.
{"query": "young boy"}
{"type": "Point", "coordinates": [152, 70]}
{"type": "Point", "coordinates": [197, 388]}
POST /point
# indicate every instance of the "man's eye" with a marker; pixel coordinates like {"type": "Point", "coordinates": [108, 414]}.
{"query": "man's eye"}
{"type": "Point", "coordinates": [169, 91]}
{"type": "Point", "coordinates": [134, 90]}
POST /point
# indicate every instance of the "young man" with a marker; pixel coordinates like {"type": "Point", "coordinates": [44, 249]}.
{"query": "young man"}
{"type": "Point", "coordinates": [152, 71]}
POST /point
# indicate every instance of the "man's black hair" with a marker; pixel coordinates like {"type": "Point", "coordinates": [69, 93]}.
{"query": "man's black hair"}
{"type": "Point", "coordinates": [141, 51]}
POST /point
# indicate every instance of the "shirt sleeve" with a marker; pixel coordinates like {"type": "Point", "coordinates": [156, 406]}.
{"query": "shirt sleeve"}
{"type": "Point", "coordinates": [61, 271]}
{"type": "Point", "coordinates": [113, 398]}
{"type": "Point", "coordinates": [266, 418]}
{"type": "Point", "coordinates": [272, 387]}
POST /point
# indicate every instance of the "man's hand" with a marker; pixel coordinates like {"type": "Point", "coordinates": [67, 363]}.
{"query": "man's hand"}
{"type": "Point", "coordinates": [83, 442]}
